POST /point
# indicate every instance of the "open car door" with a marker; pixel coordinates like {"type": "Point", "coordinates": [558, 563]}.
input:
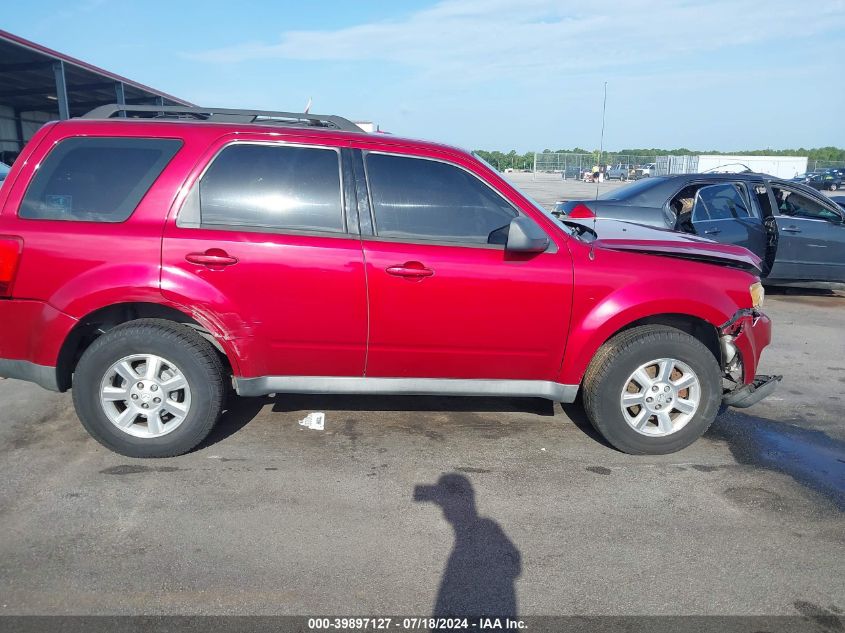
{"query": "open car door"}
{"type": "Point", "coordinates": [724, 213]}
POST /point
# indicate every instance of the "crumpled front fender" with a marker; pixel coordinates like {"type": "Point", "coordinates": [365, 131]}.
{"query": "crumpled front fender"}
{"type": "Point", "coordinates": [750, 331]}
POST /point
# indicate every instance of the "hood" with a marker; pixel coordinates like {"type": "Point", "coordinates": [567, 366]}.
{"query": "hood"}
{"type": "Point", "coordinates": [627, 236]}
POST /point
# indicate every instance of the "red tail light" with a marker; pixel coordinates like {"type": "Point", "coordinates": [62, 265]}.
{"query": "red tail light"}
{"type": "Point", "coordinates": [581, 211]}
{"type": "Point", "coordinates": [10, 255]}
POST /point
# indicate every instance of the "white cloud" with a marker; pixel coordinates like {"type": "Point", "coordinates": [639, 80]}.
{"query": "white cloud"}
{"type": "Point", "coordinates": [466, 40]}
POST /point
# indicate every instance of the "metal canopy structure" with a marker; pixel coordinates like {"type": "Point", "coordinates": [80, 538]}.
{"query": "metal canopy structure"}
{"type": "Point", "coordinates": [38, 84]}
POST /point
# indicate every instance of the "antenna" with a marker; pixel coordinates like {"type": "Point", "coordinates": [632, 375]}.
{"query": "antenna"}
{"type": "Point", "coordinates": [712, 170]}
{"type": "Point", "coordinates": [601, 142]}
{"type": "Point", "coordinates": [601, 151]}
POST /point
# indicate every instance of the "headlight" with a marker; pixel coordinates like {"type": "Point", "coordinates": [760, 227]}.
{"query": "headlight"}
{"type": "Point", "coordinates": [758, 293]}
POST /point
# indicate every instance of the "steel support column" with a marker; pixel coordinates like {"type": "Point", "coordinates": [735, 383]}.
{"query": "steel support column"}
{"type": "Point", "coordinates": [19, 129]}
{"type": "Point", "coordinates": [120, 95]}
{"type": "Point", "coordinates": [61, 90]}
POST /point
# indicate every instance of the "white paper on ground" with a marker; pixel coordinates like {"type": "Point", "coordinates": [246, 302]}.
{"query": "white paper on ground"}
{"type": "Point", "coordinates": [315, 421]}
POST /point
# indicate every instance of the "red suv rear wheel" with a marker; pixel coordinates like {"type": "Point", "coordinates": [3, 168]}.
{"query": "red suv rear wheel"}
{"type": "Point", "coordinates": [149, 388]}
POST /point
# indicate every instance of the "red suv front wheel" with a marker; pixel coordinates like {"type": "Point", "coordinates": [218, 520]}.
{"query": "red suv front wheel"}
{"type": "Point", "coordinates": [652, 390]}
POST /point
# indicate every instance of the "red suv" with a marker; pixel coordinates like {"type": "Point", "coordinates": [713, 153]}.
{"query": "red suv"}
{"type": "Point", "coordinates": [151, 257]}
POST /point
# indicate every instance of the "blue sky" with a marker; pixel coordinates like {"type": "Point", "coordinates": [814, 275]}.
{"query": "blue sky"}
{"type": "Point", "coordinates": [487, 74]}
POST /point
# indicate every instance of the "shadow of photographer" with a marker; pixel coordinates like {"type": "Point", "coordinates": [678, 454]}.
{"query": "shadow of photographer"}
{"type": "Point", "coordinates": [480, 575]}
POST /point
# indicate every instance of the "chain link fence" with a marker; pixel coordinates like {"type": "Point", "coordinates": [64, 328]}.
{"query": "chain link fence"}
{"type": "Point", "coordinates": [556, 165]}
{"type": "Point", "coordinates": [813, 165]}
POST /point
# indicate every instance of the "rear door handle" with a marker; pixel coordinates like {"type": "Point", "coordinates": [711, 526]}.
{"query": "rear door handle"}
{"type": "Point", "coordinates": [212, 258]}
{"type": "Point", "coordinates": [791, 229]}
{"type": "Point", "coordinates": [409, 270]}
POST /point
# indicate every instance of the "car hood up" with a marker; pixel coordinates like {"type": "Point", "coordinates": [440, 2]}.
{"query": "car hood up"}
{"type": "Point", "coordinates": [629, 236]}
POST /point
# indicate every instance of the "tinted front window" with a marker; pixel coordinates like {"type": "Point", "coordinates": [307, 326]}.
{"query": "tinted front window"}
{"type": "Point", "coordinates": [273, 187]}
{"type": "Point", "coordinates": [795, 204]}
{"type": "Point", "coordinates": [429, 200]}
{"type": "Point", "coordinates": [96, 179]}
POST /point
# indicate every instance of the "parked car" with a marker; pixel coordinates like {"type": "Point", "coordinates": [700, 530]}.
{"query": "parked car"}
{"type": "Point", "coordinates": [829, 180]}
{"type": "Point", "coordinates": [797, 232]}
{"type": "Point", "coordinates": [644, 171]}
{"type": "Point", "coordinates": [618, 172]}
{"type": "Point", "coordinates": [4, 171]}
{"type": "Point", "coordinates": [149, 264]}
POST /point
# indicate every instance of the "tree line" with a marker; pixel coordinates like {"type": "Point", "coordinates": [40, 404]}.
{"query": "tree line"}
{"type": "Point", "coordinates": [514, 160]}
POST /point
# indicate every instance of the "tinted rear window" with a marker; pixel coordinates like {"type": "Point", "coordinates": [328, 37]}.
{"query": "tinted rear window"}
{"type": "Point", "coordinates": [633, 190]}
{"type": "Point", "coordinates": [720, 202]}
{"type": "Point", "coordinates": [274, 187]}
{"type": "Point", "coordinates": [96, 179]}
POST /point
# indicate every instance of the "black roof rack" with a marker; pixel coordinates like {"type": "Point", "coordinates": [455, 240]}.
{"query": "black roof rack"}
{"type": "Point", "coordinates": [222, 115]}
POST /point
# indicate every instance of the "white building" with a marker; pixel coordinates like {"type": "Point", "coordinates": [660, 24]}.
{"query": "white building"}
{"type": "Point", "coordinates": [780, 166]}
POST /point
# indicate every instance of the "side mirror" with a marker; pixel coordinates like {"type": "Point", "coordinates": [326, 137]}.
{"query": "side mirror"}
{"type": "Point", "coordinates": [524, 236]}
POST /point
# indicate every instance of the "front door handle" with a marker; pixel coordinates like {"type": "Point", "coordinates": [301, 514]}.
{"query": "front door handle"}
{"type": "Point", "coordinates": [791, 229]}
{"type": "Point", "coordinates": [212, 258]}
{"type": "Point", "coordinates": [409, 270]}
{"type": "Point", "coordinates": [712, 231]}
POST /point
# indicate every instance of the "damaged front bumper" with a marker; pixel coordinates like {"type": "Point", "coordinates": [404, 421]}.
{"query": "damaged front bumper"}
{"type": "Point", "coordinates": [752, 393]}
{"type": "Point", "coordinates": [742, 340]}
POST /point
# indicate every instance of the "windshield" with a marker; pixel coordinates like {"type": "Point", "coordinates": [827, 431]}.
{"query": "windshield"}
{"type": "Point", "coordinates": [569, 230]}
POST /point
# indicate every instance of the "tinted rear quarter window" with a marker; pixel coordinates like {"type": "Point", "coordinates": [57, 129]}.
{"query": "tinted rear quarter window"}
{"type": "Point", "coordinates": [96, 179]}
{"type": "Point", "coordinates": [420, 199]}
{"type": "Point", "coordinates": [273, 187]}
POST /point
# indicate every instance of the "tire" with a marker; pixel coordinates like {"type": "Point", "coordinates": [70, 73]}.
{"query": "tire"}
{"type": "Point", "coordinates": [184, 358]}
{"type": "Point", "coordinates": [833, 187]}
{"type": "Point", "coordinates": [608, 376]}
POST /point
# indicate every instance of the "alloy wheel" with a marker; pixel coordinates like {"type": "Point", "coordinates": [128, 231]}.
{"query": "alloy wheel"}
{"type": "Point", "coordinates": [660, 397]}
{"type": "Point", "coordinates": [145, 395]}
